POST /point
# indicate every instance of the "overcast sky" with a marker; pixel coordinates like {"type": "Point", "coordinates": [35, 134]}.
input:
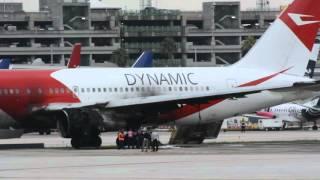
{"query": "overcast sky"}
{"type": "Point", "coordinates": [32, 5]}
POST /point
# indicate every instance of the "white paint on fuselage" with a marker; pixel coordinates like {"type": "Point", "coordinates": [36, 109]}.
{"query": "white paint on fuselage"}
{"type": "Point", "coordinates": [288, 112]}
{"type": "Point", "coordinates": [217, 79]}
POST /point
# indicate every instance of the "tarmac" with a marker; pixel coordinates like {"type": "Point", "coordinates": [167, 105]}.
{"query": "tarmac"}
{"type": "Point", "coordinates": [253, 155]}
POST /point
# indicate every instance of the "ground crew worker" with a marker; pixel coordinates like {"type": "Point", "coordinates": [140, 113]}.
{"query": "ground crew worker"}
{"type": "Point", "coordinates": [121, 139]}
{"type": "Point", "coordinates": [130, 139]}
{"type": "Point", "coordinates": [243, 126]}
{"type": "Point", "coordinates": [155, 141]}
{"type": "Point", "coordinates": [146, 141]}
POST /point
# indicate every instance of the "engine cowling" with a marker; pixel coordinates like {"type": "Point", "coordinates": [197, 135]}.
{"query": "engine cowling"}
{"type": "Point", "coordinates": [70, 122]}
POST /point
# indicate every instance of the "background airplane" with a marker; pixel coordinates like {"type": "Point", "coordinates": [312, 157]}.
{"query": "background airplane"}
{"type": "Point", "coordinates": [144, 60]}
{"type": "Point", "coordinates": [292, 112]}
{"type": "Point", "coordinates": [5, 63]}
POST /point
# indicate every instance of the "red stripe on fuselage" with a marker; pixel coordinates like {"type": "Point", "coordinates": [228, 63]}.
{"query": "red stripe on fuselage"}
{"type": "Point", "coordinates": [188, 110]}
{"type": "Point", "coordinates": [262, 80]}
{"type": "Point", "coordinates": [18, 101]}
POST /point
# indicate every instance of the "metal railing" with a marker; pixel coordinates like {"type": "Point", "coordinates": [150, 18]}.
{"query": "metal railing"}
{"type": "Point", "coordinates": [152, 29]}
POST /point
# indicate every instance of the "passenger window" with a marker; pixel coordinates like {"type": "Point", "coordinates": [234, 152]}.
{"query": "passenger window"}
{"type": "Point", "coordinates": [93, 90]}
{"type": "Point", "coordinates": [110, 89]}
{"type": "Point", "coordinates": [104, 89]}
{"type": "Point", "coordinates": [170, 88]}
{"type": "Point", "coordinates": [28, 91]}
{"type": "Point", "coordinates": [186, 88]}
{"type": "Point", "coordinates": [132, 89]}
{"type": "Point", "coordinates": [82, 90]}
{"type": "Point", "coordinates": [88, 90]}
{"type": "Point", "coordinates": [62, 90]}
{"type": "Point", "coordinates": [208, 88]}
{"type": "Point", "coordinates": [126, 89]}
{"type": "Point", "coordinates": [180, 88]}
{"type": "Point", "coordinates": [50, 91]}
{"type": "Point", "coordinates": [137, 89]}
{"type": "Point", "coordinates": [99, 90]}
{"type": "Point", "coordinates": [56, 90]}
{"type": "Point", "coordinates": [17, 91]}
{"type": "Point", "coordinates": [115, 89]}
{"type": "Point", "coordinates": [11, 91]}
{"type": "Point", "coordinates": [39, 91]}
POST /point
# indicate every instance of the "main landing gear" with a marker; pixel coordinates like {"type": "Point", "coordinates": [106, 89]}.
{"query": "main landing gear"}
{"type": "Point", "coordinates": [85, 128]}
{"type": "Point", "coordinates": [86, 141]}
{"type": "Point", "coordinates": [315, 126]}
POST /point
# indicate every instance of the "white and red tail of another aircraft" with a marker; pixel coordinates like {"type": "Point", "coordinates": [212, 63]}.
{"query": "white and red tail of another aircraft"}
{"type": "Point", "coordinates": [75, 58]}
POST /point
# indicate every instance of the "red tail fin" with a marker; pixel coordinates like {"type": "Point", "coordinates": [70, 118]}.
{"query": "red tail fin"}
{"type": "Point", "coordinates": [75, 57]}
{"type": "Point", "coordinates": [303, 18]}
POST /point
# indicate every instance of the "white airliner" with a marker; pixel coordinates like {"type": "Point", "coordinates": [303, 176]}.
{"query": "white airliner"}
{"type": "Point", "coordinates": [293, 112]}
{"type": "Point", "coordinates": [85, 101]}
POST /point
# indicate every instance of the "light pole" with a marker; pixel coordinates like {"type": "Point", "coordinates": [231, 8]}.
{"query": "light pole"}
{"type": "Point", "coordinates": [51, 54]}
{"type": "Point", "coordinates": [4, 5]}
{"type": "Point", "coordinates": [195, 54]}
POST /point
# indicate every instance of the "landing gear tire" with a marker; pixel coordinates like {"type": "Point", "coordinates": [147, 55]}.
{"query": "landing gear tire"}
{"type": "Point", "coordinates": [194, 141]}
{"type": "Point", "coordinates": [96, 142]}
{"type": "Point", "coordinates": [89, 142]}
{"type": "Point", "coordinates": [75, 143]}
{"type": "Point", "coordinates": [315, 128]}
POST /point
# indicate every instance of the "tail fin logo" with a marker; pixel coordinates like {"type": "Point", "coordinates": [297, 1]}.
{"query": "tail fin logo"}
{"type": "Point", "coordinates": [300, 19]}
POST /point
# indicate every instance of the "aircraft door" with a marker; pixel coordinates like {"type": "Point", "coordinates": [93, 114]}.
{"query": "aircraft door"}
{"type": "Point", "coordinates": [76, 91]}
{"type": "Point", "coordinates": [232, 83]}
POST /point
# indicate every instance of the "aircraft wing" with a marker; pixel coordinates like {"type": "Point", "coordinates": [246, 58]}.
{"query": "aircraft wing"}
{"type": "Point", "coordinates": [256, 116]}
{"type": "Point", "coordinates": [60, 106]}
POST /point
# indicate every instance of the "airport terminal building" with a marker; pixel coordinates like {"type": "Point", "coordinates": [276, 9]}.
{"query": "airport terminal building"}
{"type": "Point", "coordinates": [208, 38]}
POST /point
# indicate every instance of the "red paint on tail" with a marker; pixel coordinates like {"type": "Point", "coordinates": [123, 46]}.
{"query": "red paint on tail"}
{"type": "Point", "coordinates": [303, 18]}
{"type": "Point", "coordinates": [75, 57]}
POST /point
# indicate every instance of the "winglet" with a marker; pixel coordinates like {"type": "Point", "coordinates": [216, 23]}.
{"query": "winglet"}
{"type": "Point", "coordinates": [75, 57]}
{"type": "Point", "coordinates": [144, 60]}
